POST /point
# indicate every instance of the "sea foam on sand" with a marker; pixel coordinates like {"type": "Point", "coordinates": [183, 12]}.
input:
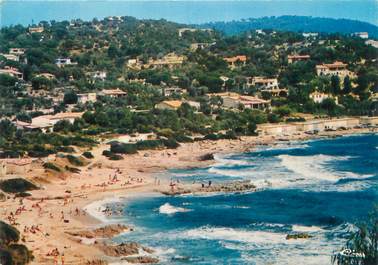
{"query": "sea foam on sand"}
{"type": "Point", "coordinates": [95, 209]}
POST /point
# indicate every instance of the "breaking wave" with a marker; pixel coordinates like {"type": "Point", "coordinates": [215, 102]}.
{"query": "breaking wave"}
{"type": "Point", "coordinates": [169, 209]}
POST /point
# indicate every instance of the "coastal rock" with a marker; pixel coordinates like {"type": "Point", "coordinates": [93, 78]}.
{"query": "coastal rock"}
{"type": "Point", "coordinates": [298, 236]}
{"type": "Point", "coordinates": [238, 186]}
{"type": "Point", "coordinates": [206, 157]}
{"type": "Point", "coordinates": [108, 231]}
{"type": "Point", "coordinates": [124, 249]}
{"type": "Point", "coordinates": [141, 259]}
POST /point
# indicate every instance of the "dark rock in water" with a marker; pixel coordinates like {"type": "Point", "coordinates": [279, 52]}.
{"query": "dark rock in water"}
{"type": "Point", "coordinates": [298, 236]}
{"type": "Point", "coordinates": [206, 157]}
{"type": "Point", "coordinates": [141, 259]}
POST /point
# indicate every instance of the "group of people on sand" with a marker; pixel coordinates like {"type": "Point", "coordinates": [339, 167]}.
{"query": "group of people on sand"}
{"type": "Point", "coordinates": [33, 229]}
{"type": "Point", "coordinates": [55, 254]}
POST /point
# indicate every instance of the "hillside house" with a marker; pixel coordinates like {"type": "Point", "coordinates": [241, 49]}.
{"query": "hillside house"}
{"type": "Point", "coordinates": [234, 100]}
{"type": "Point", "coordinates": [269, 85]}
{"type": "Point", "coordinates": [169, 91]}
{"type": "Point", "coordinates": [296, 58]}
{"type": "Point", "coordinates": [36, 29]}
{"type": "Point", "coordinates": [114, 93]}
{"type": "Point", "coordinates": [17, 51]}
{"type": "Point", "coordinates": [12, 72]}
{"type": "Point", "coordinates": [86, 97]}
{"type": "Point", "coordinates": [233, 62]}
{"type": "Point", "coordinates": [362, 35]}
{"type": "Point", "coordinates": [61, 62]}
{"type": "Point", "coordinates": [11, 57]}
{"type": "Point", "coordinates": [46, 75]}
{"type": "Point", "coordinates": [45, 123]}
{"type": "Point", "coordinates": [175, 104]}
{"type": "Point", "coordinates": [336, 68]}
{"type": "Point", "coordinates": [169, 60]}
{"type": "Point", "coordinates": [319, 97]}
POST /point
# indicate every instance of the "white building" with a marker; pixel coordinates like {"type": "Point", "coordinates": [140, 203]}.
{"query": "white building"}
{"type": "Point", "coordinates": [263, 83]}
{"type": "Point", "coordinates": [86, 97]}
{"type": "Point", "coordinates": [12, 72]}
{"type": "Point", "coordinates": [319, 97]}
{"type": "Point", "coordinates": [17, 51]}
{"type": "Point", "coordinates": [336, 68]}
{"type": "Point", "coordinates": [362, 35]}
{"type": "Point", "coordinates": [61, 62]}
{"type": "Point", "coordinates": [11, 57]}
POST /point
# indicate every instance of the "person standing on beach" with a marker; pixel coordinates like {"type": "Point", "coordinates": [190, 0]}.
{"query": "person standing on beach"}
{"type": "Point", "coordinates": [62, 258]}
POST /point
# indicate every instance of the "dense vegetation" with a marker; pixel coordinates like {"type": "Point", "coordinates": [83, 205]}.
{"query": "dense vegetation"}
{"type": "Point", "coordinates": [297, 24]}
{"type": "Point", "coordinates": [12, 252]}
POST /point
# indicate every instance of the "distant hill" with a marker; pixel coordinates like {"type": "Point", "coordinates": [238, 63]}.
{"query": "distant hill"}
{"type": "Point", "coordinates": [295, 23]}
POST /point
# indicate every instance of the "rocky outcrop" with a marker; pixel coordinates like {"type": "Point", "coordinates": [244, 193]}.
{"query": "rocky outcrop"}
{"type": "Point", "coordinates": [298, 236]}
{"type": "Point", "coordinates": [108, 231]}
{"type": "Point", "coordinates": [238, 186]}
{"type": "Point", "coordinates": [124, 249]}
{"type": "Point", "coordinates": [141, 260]}
{"type": "Point", "coordinates": [206, 157]}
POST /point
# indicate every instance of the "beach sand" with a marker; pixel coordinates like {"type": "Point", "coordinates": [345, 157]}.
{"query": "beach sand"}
{"type": "Point", "coordinates": [69, 198]}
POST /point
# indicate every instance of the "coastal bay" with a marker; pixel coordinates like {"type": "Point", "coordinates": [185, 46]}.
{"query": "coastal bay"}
{"type": "Point", "coordinates": [138, 170]}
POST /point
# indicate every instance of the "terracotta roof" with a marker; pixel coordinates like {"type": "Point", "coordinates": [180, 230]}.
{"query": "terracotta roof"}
{"type": "Point", "coordinates": [298, 56]}
{"type": "Point", "coordinates": [241, 58]}
{"type": "Point", "coordinates": [173, 103]}
{"type": "Point", "coordinates": [116, 91]}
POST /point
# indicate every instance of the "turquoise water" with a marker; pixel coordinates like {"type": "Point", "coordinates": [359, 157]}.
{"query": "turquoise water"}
{"type": "Point", "coordinates": [27, 11]}
{"type": "Point", "coordinates": [320, 187]}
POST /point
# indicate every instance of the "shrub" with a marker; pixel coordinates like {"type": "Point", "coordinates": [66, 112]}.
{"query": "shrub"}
{"type": "Point", "coordinates": [149, 144]}
{"type": "Point", "coordinates": [65, 149]}
{"type": "Point", "coordinates": [75, 160]}
{"type": "Point", "coordinates": [274, 118]}
{"type": "Point", "coordinates": [8, 234]}
{"type": "Point", "coordinates": [17, 185]}
{"type": "Point", "coordinates": [121, 148]}
{"type": "Point", "coordinates": [10, 154]}
{"type": "Point", "coordinates": [20, 254]}
{"type": "Point", "coordinates": [106, 153]}
{"type": "Point", "coordinates": [170, 143]}
{"type": "Point", "coordinates": [295, 119]}
{"type": "Point", "coordinates": [51, 166]}
{"type": "Point", "coordinates": [181, 138]}
{"type": "Point", "coordinates": [72, 169]}
{"type": "Point", "coordinates": [115, 157]}
{"type": "Point", "coordinates": [211, 136]}
{"type": "Point", "coordinates": [88, 155]}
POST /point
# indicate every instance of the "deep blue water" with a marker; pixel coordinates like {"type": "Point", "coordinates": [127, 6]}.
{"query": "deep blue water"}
{"type": "Point", "coordinates": [186, 11]}
{"type": "Point", "coordinates": [321, 187]}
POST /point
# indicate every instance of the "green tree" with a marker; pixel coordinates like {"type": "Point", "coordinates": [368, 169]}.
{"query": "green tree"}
{"type": "Point", "coordinates": [70, 97]}
{"type": "Point", "coordinates": [335, 85]}
{"type": "Point", "coordinates": [363, 242]}
{"type": "Point", "coordinates": [347, 86]}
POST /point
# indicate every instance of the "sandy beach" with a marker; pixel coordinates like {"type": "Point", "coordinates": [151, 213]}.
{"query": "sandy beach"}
{"type": "Point", "coordinates": [66, 201]}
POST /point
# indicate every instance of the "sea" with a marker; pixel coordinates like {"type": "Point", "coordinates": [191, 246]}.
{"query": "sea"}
{"type": "Point", "coordinates": [320, 187]}
{"type": "Point", "coordinates": [27, 12]}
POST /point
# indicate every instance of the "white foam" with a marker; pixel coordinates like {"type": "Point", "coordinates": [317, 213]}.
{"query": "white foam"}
{"type": "Point", "coordinates": [300, 228]}
{"type": "Point", "coordinates": [239, 235]}
{"type": "Point", "coordinates": [311, 166]}
{"type": "Point", "coordinates": [95, 209]}
{"type": "Point", "coordinates": [169, 209]}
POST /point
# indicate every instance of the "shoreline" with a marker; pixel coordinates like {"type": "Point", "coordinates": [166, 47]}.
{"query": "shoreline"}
{"type": "Point", "coordinates": [138, 170]}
